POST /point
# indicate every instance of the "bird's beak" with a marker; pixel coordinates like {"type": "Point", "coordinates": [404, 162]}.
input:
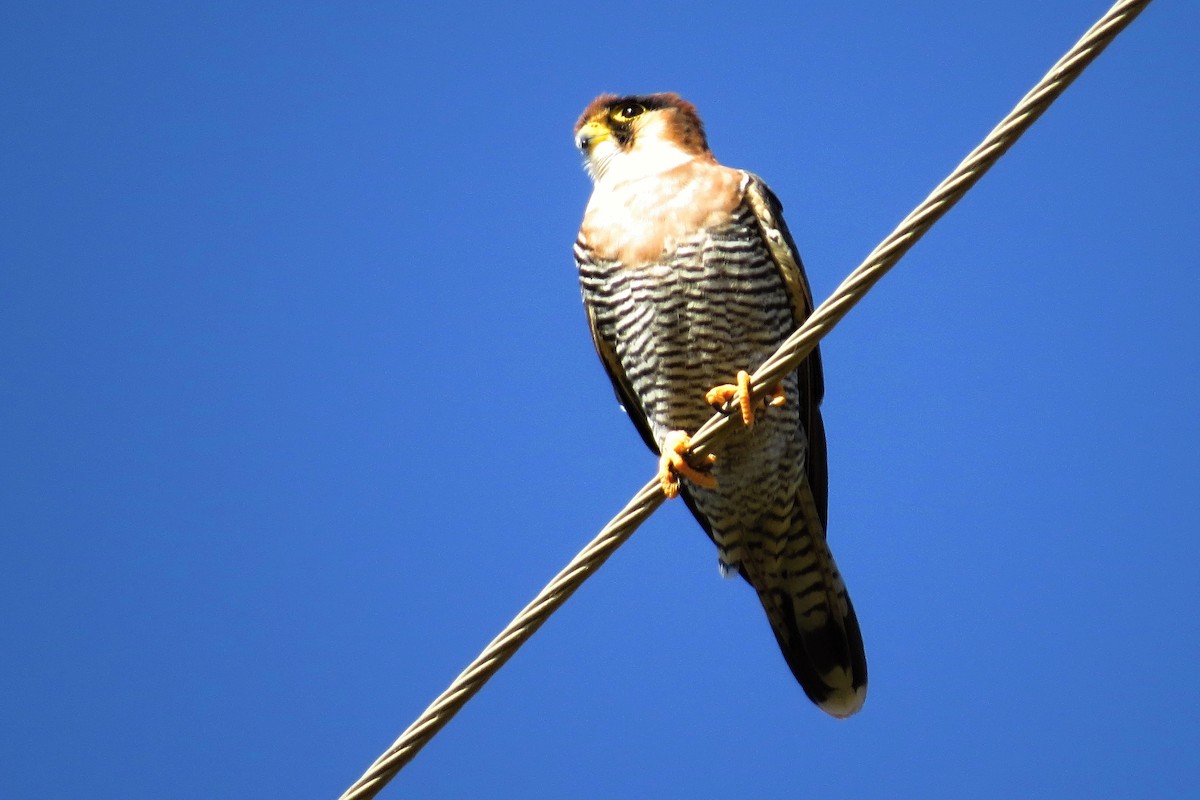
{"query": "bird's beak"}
{"type": "Point", "coordinates": [590, 135]}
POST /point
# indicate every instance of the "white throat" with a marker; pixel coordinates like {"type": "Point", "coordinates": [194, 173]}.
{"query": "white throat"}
{"type": "Point", "coordinates": [653, 152]}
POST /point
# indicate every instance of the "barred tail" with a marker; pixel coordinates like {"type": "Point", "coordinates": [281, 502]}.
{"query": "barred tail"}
{"type": "Point", "coordinates": [813, 620]}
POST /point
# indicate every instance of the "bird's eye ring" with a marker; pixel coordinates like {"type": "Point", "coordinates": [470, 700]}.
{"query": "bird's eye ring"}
{"type": "Point", "coordinates": [628, 112]}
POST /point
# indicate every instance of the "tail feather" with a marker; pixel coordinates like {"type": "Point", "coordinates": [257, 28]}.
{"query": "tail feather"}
{"type": "Point", "coordinates": [827, 659]}
{"type": "Point", "coordinates": [811, 615]}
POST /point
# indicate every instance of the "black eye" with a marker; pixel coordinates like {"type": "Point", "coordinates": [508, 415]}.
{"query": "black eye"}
{"type": "Point", "coordinates": [628, 112]}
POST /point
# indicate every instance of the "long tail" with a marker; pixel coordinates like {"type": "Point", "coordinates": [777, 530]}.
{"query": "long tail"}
{"type": "Point", "coordinates": [811, 614]}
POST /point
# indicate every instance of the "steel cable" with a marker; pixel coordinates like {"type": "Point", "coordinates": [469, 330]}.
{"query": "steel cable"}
{"type": "Point", "coordinates": [786, 359]}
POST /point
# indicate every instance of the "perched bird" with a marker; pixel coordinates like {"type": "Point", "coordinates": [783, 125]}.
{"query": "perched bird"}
{"type": "Point", "coordinates": [690, 278]}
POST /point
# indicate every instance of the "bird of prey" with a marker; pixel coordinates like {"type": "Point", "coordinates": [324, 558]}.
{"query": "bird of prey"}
{"type": "Point", "coordinates": [691, 279]}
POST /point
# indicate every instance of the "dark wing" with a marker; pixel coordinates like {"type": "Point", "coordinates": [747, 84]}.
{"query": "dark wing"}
{"type": "Point", "coordinates": [620, 382]}
{"type": "Point", "coordinates": [778, 238]}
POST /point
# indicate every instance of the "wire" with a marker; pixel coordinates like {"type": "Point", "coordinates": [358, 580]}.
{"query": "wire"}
{"type": "Point", "coordinates": [786, 359]}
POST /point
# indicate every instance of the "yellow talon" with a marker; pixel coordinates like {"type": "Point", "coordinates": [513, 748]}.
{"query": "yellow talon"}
{"type": "Point", "coordinates": [777, 397]}
{"type": "Point", "coordinates": [672, 465]}
{"type": "Point", "coordinates": [740, 393]}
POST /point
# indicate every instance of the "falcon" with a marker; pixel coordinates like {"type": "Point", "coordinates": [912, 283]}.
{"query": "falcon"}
{"type": "Point", "coordinates": [691, 280]}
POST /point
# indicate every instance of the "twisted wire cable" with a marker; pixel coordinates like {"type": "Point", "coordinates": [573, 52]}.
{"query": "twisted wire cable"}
{"type": "Point", "coordinates": [786, 359]}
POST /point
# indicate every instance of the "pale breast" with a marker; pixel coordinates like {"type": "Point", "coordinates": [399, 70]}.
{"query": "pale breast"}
{"type": "Point", "coordinates": [639, 222]}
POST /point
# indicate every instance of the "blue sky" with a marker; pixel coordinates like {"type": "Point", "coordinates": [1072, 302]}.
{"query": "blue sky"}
{"type": "Point", "coordinates": [298, 406]}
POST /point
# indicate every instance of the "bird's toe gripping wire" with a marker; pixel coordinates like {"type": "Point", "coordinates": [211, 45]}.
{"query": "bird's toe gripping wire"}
{"type": "Point", "coordinates": [739, 392]}
{"type": "Point", "coordinates": [673, 464]}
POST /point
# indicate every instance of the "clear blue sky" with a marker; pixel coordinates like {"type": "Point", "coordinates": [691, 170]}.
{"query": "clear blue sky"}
{"type": "Point", "coordinates": [298, 406]}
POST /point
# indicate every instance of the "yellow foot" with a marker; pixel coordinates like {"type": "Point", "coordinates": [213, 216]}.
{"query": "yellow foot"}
{"type": "Point", "coordinates": [672, 465]}
{"type": "Point", "coordinates": [740, 392]}
{"type": "Point", "coordinates": [777, 397]}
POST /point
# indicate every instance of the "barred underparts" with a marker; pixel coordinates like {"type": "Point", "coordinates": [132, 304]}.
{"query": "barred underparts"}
{"type": "Point", "coordinates": [677, 327]}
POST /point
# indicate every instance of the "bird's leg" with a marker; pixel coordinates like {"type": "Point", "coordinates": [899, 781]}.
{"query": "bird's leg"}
{"type": "Point", "coordinates": [672, 464]}
{"type": "Point", "coordinates": [740, 392]}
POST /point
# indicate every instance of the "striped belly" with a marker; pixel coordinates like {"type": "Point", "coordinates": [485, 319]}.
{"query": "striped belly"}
{"type": "Point", "coordinates": [683, 325]}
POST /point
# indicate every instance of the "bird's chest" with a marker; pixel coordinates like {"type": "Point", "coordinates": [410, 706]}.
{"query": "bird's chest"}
{"type": "Point", "coordinates": [678, 326]}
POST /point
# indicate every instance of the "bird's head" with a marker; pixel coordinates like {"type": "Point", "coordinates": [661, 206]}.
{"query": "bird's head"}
{"type": "Point", "coordinates": [624, 138]}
